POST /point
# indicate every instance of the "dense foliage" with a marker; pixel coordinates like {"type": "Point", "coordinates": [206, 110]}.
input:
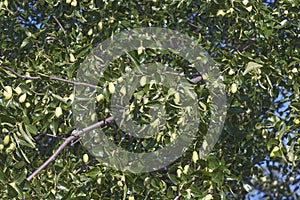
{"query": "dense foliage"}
{"type": "Point", "coordinates": [256, 46]}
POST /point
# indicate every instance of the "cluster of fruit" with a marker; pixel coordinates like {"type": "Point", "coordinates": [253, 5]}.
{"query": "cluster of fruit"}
{"type": "Point", "coordinates": [11, 146]}
{"type": "Point", "coordinates": [8, 94]}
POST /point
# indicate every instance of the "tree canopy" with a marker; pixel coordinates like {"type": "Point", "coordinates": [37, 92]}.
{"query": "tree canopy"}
{"type": "Point", "coordinates": [255, 46]}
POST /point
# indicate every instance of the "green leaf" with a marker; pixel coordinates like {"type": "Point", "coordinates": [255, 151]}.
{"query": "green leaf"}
{"type": "Point", "coordinates": [213, 162]}
{"type": "Point", "coordinates": [15, 189]}
{"type": "Point", "coordinates": [173, 178]}
{"type": "Point", "coordinates": [25, 42]}
{"type": "Point", "coordinates": [218, 176]}
{"type": "Point", "coordinates": [12, 193]}
{"type": "Point", "coordinates": [271, 143]}
{"type": "Point", "coordinates": [2, 177]}
{"type": "Point", "coordinates": [251, 66]}
{"type": "Point", "coordinates": [26, 136]}
{"type": "Point", "coordinates": [276, 152]}
{"type": "Point", "coordinates": [31, 129]}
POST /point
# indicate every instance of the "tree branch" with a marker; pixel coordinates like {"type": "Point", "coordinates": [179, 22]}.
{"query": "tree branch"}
{"type": "Point", "coordinates": [177, 197]}
{"type": "Point", "coordinates": [78, 133]}
{"type": "Point", "coordinates": [51, 78]}
{"type": "Point", "coordinates": [20, 75]}
{"type": "Point", "coordinates": [62, 28]}
{"type": "Point", "coordinates": [66, 142]}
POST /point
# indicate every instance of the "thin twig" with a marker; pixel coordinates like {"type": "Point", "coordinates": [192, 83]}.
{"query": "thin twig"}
{"type": "Point", "coordinates": [182, 75]}
{"type": "Point", "coordinates": [193, 25]}
{"type": "Point", "coordinates": [55, 136]}
{"type": "Point", "coordinates": [177, 197]}
{"type": "Point", "coordinates": [66, 142]}
{"type": "Point", "coordinates": [51, 78]}
{"type": "Point", "coordinates": [193, 80]}
{"type": "Point", "coordinates": [74, 82]}
{"type": "Point", "coordinates": [62, 28]}
{"type": "Point", "coordinates": [196, 80]}
{"type": "Point", "coordinates": [40, 135]}
{"type": "Point", "coordinates": [83, 167]}
{"type": "Point", "coordinates": [20, 75]}
{"type": "Point", "coordinates": [73, 143]}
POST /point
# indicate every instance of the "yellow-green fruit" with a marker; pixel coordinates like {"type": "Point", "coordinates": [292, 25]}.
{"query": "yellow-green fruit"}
{"type": "Point", "coordinates": [72, 58]}
{"type": "Point", "coordinates": [179, 172]}
{"type": "Point", "coordinates": [249, 8]}
{"type": "Point", "coordinates": [123, 90]}
{"type": "Point", "coordinates": [18, 90]}
{"type": "Point", "coordinates": [195, 156]}
{"type": "Point", "coordinates": [296, 121]}
{"type": "Point", "coordinates": [111, 20]}
{"type": "Point", "coordinates": [131, 198]}
{"type": "Point", "coordinates": [22, 98]}
{"type": "Point", "coordinates": [120, 79]}
{"type": "Point", "coordinates": [221, 12]}
{"type": "Point", "coordinates": [231, 72]}
{"type": "Point", "coordinates": [176, 98]}
{"type": "Point", "coordinates": [4, 130]}
{"type": "Point", "coordinates": [186, 169]}
{"type": "Point", "coordinates": [180, 120]}
{"type": "Point", "coordinates": [11, 148]}
{"type": "Point", "coordinates": [140, 50]}
{"type": "Point", "coordinates": [85, 158]}
{"type": "Point", "coordinates": [58, 112]}
{"type": "Point", "coordinates": [74, 3]}
{"type": "Point", "coordinates": [233, 88]}
{"type": "Point", "coordinates": [68, 1]}
{"type": "Point", "coordinates": [90, 32]}
{"type": "Point", "coordinates": [231, 10]}
{"type": "Point", "coordinates": [152, 82]}
{"type": "Point", "coordinates": [72, 97]}
{"type": "Point", "coordinates": [93, 116]}
{"type": "Point", "coordinates": [1, 147]}
{"type": "Point", "coordinates": [100, 25]}
{"type": "Point", "coordinates": [123, 178]}
{"type": "Point", "coordinates": [120, 184]}
{"type": "Point", "coordinates": [8, 150]}
{"type": "Point", "coordinates": [143, 81]}
{"type": "Point", "coordinates": [294, 70]}
{"type": "Point", "coordinates": [7, 92]}
{"type": "Point", "coordinates": [6, 140]}
{"type": "Point", "coordinates": [18, 134]}
{"type": "Point", "coordinates": [208, 197]}
{"type": "Point", "coordinates": [100, 97]}
{"type": "Point", "coordinates": [111, 88]}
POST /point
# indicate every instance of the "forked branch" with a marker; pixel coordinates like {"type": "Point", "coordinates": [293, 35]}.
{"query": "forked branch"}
{"type": "Point", "coordinates": [67, 141]}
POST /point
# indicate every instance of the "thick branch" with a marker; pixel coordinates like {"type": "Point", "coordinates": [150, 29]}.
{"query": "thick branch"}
{"type": "Point", "coordinates": [78, 133]}
{"type": "Point", "coordinates": [66, 142]}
